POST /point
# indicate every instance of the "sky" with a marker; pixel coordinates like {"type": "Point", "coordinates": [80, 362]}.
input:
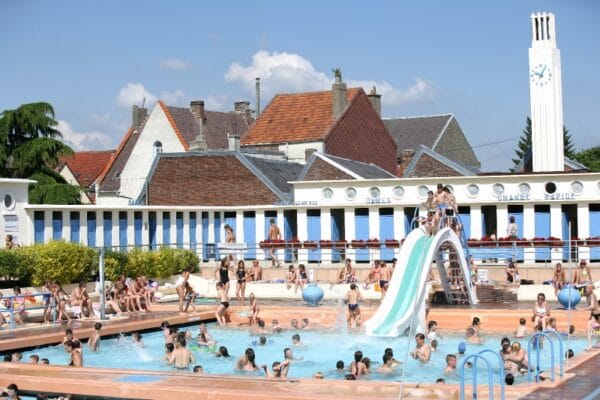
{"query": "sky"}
{"type": "Point", "coordinates": [93, 60]}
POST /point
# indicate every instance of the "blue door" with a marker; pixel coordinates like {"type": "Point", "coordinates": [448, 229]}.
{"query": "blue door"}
{"type": "Point", "coordinates": [314, 233]}
{"type": "Point", "coordinates": [542, 230]}
{"type": "Point", "coordinates": [38, 226]}
{"type": "Point", "coordinates": [290, 231]}
{"type": "Point", "coordinates": [230, 220]}
{"type": "Point", "coordinates": [361, 232]}
{"type": "Point", "coordinates": [91, 226]}
{"type": "Point", "coordinates": [338, 230]}
{"type": "Point", "coordinates": [138, 226]}
{"type": "Point", "coordinates": [123, 230]}
{"type": "Point", "coordinates": [107, 228]}
{"type": "Point", "coordinates": [517, 212]}
{"type": "Point", "coordinates": [386, 231]}
{"type": "Point", "coordinates": [152, 229]}
{"type": "Point", "coordinates": [217, 232]}
{"type": "Point", "coordinates": [75, 226]}
{"type": "Point", "coordinates": [250, 234]}
{"type": "Point", "coordinates": [179, 230]}
{"type": "Point", "coordinates": [166, 228]}
{"type": "Point", "coordinates": [205, 253]}
{"type": "Point", "coordinates": [193, 238]}
{"type": "Point", "coordinates": [594, 230]}
{"type": "Point", "coordinates": [464, 214]}
{"type": "Point", "coordinates": [569, 220]}
{"type": "Point", "coordinates": [409, 214]}
{"type": "Point", "coordinates": [57, 225]}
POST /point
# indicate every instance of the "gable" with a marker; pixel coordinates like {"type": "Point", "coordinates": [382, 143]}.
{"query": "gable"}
{"type": "Point", "coordinates": [410, 133]}
{"type": "Point", "coordinates": [299, 117]}
{"type": "Point", "coordinates": [359, 134]}
{"type": "Point", "coordinates": [427, 166]}
{"type": "Point", "coordinates": [321, 170]}
{"type": "Point", "coordinates": [218, 180]}
{"type": "Point", "coordinates": [453, 144]}
{"type": "Point", "coordinates": [86, 166]}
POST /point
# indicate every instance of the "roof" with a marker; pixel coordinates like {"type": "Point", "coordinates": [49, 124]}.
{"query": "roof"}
{"type": "Point", "coordinates": [109, 178]}
{"type": "Point", "coordinates": [462, 169]}
{"type": "Point", "coordinates": [86, 166]}
{"type": "Point", "coordinates": [356, 169]}
{"type": "Point", "coordinates": [295, 117]}
{"type": "Point", "coordinates": [275, 174]}
{"type": "Point", "coordinates": [410, 133]}
{"type": "Point", "coordinates": [525, 166]}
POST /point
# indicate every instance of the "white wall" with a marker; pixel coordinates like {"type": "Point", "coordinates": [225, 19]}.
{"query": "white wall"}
{"type": "Point", "coordinates": [296, 151]}
{"type": "Point", "coordinates": [66, 173]}
{"type": "Point", "coordinates": [15, 220]}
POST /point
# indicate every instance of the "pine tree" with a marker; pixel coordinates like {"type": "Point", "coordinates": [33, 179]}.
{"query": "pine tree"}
{"type": "Point", "coordinates": [525, 144]}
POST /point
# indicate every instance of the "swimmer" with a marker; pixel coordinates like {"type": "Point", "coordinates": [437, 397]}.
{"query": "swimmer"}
{"type": "Point", "coordinates": [434, 345]}
{"type": "Point", "coordinates": [166, 328]}
{"type": "Point", "coordinates": [169, 348]}
{"type": "Point", "coordinates": [390, 352]}
{"type": "Point", "coordinates": [222, 352]}
{"type": "Point", "coordinates": [451, 363]}
{"type": "Point", "coordinates": [223, 305]}
{"type": "Point", "coordinates": [302, 278]}
{"type": "Point", "coordinates": [34, 359]}
{"type": "Point", "coordinates": [262, 341]}
{"type": "Point", "coordinates": [288, 355]}
{"type": "Point", "coordinates": [521, 330]}
{"type": "Point", "coordinates": [275, 328]}
{"type": "Point", "coordinates": [296, 340]}
{"type": "Point", "coordinates": [260, 328]}
{"type": "Point", "coordinates": [367, 362]}
{"type": "Point", "coordinates": [94, 341]}
{"type": "Point", "coordinates": [386, 367]}
{"type": "Point", "coordinates": [203, 329]}
{"type": "Point", "coordinates": [294, 324]}
{"type": "Point", "coordinates": [280, 370]}
{"type": "Point", "coordinates": [357, 367]}
{"type": "Point", "coordinates": [198, 369]}
{"type": "Point", "coordinates": [431, 333]}
{"type": "Point", "coordinates": [339, 367]}
{"type": "Point", "coordinates": [247, 361]}
{"type": "Point", "coordinates": [353, 297]}
{"type": "Point", "coordinates": [44, 361]}
{"type": "Point", "coordinates": [74, 349]}
{"type": "Point", "coordinates": [319, 375]}
{"type": "Point", "coordinates": [422, 352]}
{"type": "Point", "coordinates": [472, 338]}
{"type": "Point", "coordinates": [203, 341]}
{"type": "Point", "coordinates": [68, 336]}
{"type": "Point", "coordinates": [253, 310]}
{"type": "Point", "coordinates": [255, 272]}
{"type": "Point", "coordinates": [182, 357]}
{"type": "Point", "coordinates": [136, 337]}
{"type": "Point", "coordinates": [305, 323]}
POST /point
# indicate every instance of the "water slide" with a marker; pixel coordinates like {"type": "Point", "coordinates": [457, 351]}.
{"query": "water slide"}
{"type": "Point", "coordinates": [404, 302]}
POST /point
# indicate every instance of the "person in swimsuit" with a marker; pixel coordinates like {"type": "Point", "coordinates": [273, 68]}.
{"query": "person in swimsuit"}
{"type": "Point", "coordinates": [432, 333]}
{"type": "Point", "coordinates": [222, 273]}
{"type": "Point", "coordinates": [190, 298]}
{"type": "Point", "coordinates": [274, 234]}
{"type": "Point", "coordinates": [430, 202]}
{"type": "Point", "coordinates": [357, 367]}
{"type": "Point", "coordinates": [373, 276]}
{"type": "Point", "coordinates": [583, 274]}
{"type": "Point", "coordinates": [559, 278]}
{"type": "Point", "coordinates": [451, 208]}
{"type": "Point", "coordinates": [302, 278]}
{"type": "Point", "coordinates": [291, 277]}
{"type": "Point", "coordinates": [181, 357]}
{"type": "Point", "coordinates": [223, 305]}
{"type": "Point", "coordinates": [541, 311]}
{"type": "Point", "coordinates": [346, 274]}
{"type": "Point", "coordinates": [441, 200]}
{"type": "Point", "coordinates": [180, 287]}
{"type": "Point", "coordinates": [253, 310]}
{"type": "Point", "coordinates": [353, 296]}
{"type": "Point", "coordinates": [256, 272]}
{"type": "Point", "coordinates": [229, 234]}
{"type": "Point", "coordinates": [422, 352]}
{"type": "Point", "coordinates": [384, 278]}
{"type": "Point", "coordinates": [241, 275]}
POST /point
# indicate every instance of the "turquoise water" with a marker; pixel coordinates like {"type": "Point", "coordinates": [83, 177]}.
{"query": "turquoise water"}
{"type": "Point", "coordinates": [320, 352]}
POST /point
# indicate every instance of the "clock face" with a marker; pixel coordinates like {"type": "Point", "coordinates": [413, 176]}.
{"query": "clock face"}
{"type": "Point", "coordinates": [540, 74]}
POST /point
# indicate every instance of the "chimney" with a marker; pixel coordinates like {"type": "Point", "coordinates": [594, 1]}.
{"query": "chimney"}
{"type": "Point", "coordinates": [197, 107]}
{"type": "Point", "coordinates": [338, 90]}
{"type": "Point", "coordinates": [243, 108]}
{"type": "Point", "coordinates": [138, 116]}
{"type": "Point", "coordinates": [406, 157]}
{"type": "Point", "coordinates": [375, 100]}
{"type": "Point", "coordinates": [234, 142]}
{"type": "Point", "coordinates": [257, 113]}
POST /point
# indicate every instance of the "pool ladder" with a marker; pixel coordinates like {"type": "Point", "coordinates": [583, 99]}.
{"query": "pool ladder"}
{"type": "Point", "coordinates": [490, 373]}
{"type": "Point", "coordinates": [561, 356]}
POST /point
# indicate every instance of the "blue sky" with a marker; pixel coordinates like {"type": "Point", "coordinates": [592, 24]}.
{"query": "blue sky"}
{"type": "Point", "coordinates": [92, 60]}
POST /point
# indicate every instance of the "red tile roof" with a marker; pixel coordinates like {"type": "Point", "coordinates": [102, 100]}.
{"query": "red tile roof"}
{"type": "Point", "coordinates": [298, 117]}
{"type": "Point", "coordinates": [86, 166]}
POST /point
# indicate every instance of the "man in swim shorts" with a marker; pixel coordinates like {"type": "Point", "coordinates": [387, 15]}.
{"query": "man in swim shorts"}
{"type": "Point", "coordinates": [353, 296]}
{"type": "Point", "coordinates": [385, 274]}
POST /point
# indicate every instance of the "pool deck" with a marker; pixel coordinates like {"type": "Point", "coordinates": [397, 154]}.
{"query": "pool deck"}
{"type": "Point", "coordinates": [583, 377]}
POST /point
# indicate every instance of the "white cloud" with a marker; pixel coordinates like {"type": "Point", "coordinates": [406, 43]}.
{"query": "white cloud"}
{"type": "Point", "coordinates": [217, 102]}
{"type": "Point", "coordinates": [134, 94]}
{"type": "Point", "coordinates": [175, 98]}
{"type": "Point", "coordinates": [93, 140]}
{"type": "Point", "coordinates": [285, 72]}
{"type": "Point", "coordinates": [176, 64]}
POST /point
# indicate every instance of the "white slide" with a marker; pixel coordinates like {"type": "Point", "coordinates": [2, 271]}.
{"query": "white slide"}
{"type": "Point", "coordinates": [404, 302]}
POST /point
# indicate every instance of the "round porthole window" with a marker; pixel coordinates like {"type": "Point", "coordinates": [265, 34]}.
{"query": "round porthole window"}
{"type": "Point", "coordinates": [577, 187]}
{"type": "Point", "coordinates": [327, 193]}
{"type": "Point", "coordinates": [9, 202]}
{"type": "Point", "coordinates": [374, 193]}
{"type": "Point", "coordinates": [350, 194]}
{"type": "Point", "coordinates": [398, 192]}
{"type": "Point", "coordinates": [422, 191]}
{"type": "Point", "coordinates": [498, 189]}
{"type": "Point", "coordinates": [472, 190]}
{"type": "Point", "coordinates": [524, 188]}
{"type": "Point", "coordinates": [550, 188]}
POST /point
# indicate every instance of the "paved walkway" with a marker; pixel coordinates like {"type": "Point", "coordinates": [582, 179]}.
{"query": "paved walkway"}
{"type": "Point", "coordinates": [585, 385]}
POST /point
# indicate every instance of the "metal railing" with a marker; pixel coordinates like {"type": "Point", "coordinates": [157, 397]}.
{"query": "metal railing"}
{"type": "Point", "coordinates": [490, 376]}
{"type": "Point", "coordinates": [538, 338]}
{"type": "Point", "coordinates": [9, 302]}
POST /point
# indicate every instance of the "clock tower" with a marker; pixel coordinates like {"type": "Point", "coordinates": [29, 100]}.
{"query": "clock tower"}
{"type": "Point", "coordinates": [545, 86]}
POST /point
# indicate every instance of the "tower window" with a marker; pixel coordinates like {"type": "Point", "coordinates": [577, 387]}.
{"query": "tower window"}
{"type": "Point", "coordinates": [156, 148]}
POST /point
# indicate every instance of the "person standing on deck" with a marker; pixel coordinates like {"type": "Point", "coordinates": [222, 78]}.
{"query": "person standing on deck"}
{"type": "Point", "coordinates": [274, 234]}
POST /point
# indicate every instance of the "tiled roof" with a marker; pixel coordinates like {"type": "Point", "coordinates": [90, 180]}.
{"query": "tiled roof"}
{"type": "Point", "coordinates": [410, 133]}
{"type": "Point", "coordinates": [462, 169]}
{"type": "Point", "coordinates": [298, 117]}
{"type": "Point", "coordinates": [278, 172]}
{"type": "Point", "coordinates": [357, 169]}
{"type": "Point", "coordinates": [86, 166]}
{"type": "Point", "coordinates": [109, 178]}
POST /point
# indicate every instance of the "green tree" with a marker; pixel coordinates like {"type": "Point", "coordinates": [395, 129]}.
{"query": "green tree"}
{"type": "Point", "coordinates": [590, 158]}
{"type": "Point", "coordinates": [30, 148]}
{"type": "Point", "coordinates": [525, 144]}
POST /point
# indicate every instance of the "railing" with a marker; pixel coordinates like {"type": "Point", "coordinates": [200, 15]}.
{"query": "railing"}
{"type": "Point", "coordinates": [8, 305]}
{"type": "Point", "coordinates": [474, 369]}
{"type": "Point", "coordinates": [538, 338]}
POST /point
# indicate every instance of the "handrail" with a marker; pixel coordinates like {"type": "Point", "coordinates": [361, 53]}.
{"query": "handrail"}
{"type": "Point", "coordinates": [537, 366]}
{"type": "Point", "coordinates": [500, 365]}
{"type": "Point", "coordinates": [8, 303]}
{"type": "Point", "coordinates": [462, 377]}
{"type": "Point", "coordinates": [561, 351]}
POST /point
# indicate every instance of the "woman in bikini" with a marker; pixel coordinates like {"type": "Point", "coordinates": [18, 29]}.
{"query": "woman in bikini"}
{"type": "Point", "coordinates": [291, 277]}
{"type": "Point", "coordinates": [559, 278]}
{"type": "Point", "coordinates": [582, 275]}
{"type": "Point", "coordinates": [180, 287]}
{"type": "Point", "coordinates": [247, 361]}
{"type": "Point", "coordinates": [541, 311]}
{"type": "Point", "coordinates": [223, 305]}
{"type": "Point", "coordinates": [61, 299]}
{"type": "Point", "coordinates": [241, 275]}
{"type": "Point", "coordinates": [302, 278]}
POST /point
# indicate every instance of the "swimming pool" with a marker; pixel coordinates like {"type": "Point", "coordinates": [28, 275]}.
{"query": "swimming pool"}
{"type": "Point", "coordinates": [319, 352]}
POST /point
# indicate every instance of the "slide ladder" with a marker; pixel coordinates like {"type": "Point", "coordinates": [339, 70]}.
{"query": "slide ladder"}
{"type": "Point", "coordinates": [407, 291]}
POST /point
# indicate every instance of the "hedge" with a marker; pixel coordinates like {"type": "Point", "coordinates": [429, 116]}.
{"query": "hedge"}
{"type": "Point", "coordinates": [69, 262]}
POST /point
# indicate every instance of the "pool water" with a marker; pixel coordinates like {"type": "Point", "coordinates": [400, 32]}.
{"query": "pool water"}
{"type": "Point", "coordinates": [319, 352]}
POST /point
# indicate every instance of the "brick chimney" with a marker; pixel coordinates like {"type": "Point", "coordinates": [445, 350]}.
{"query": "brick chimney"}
{"type": "Point", "coordinates": [338, 89]}
{"type": "Point", "coordinates": [243, 108]}
{"type": "Point", "coordinates": [375, 100]}
{"type": "Point", "coordinates": [138, 116]}
{"type": "Point", "coordinates": [197, 107]}
{"type": "Point", "coordinates": [406, 157]}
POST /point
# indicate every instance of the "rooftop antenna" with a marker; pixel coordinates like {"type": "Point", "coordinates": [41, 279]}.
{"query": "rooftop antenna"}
{"type": "Point", "coordinates": [143, 102]}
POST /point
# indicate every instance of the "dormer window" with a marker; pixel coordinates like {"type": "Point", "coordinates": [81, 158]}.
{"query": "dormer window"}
{"type": "Point", "coordinates": [156, 148]}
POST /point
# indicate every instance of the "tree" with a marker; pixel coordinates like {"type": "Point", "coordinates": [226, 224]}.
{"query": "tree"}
{"type": "Point", "coordinates": [590, 158]}
{"type": "Point", "coordinates": [525, 144]}
{"type": "Point", "coordinates": [30, 148]}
